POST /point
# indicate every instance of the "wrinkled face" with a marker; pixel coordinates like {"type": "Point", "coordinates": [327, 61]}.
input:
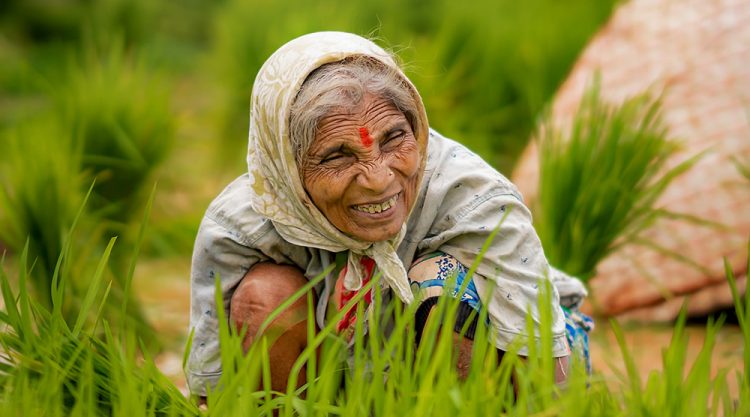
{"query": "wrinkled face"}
{"type": "Point", "coordinates": [361, 169]}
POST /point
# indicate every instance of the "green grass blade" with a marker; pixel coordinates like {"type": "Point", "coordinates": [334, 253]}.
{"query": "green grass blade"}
{"type": "Point", "coordinates": [136, 250]}
{"type": "Point", "coordinates": [58, 284]}
{"type": "Point", "coordinates": [93, 290]}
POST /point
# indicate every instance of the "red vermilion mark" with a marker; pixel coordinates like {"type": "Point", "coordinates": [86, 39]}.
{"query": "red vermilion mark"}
{"type": "Point", "coordinates": [365, 136]}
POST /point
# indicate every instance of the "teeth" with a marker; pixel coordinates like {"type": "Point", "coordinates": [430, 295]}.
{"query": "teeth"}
{"type": "Point", "coordinates": [377, 208]}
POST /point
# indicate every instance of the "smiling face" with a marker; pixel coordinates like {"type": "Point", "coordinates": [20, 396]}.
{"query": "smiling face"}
{"type": "Point", "coordinates": [361, 171]}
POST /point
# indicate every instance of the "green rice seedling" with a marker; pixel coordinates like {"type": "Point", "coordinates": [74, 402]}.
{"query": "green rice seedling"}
{"type": "Point", "coordinates": [51, 368]}
{"type": "Point", "coordinates": [110, 125]}
{"type": "Point", "coordinates": [120, 115]}
{"type": "Point", "coordinates": [680, 388]}
{"type": "Point", "coordinates": [600, 179]}
{"type": "Point", "coordinates": [41, 197]}
{"type": "Point", "coordinates": [41, 190]}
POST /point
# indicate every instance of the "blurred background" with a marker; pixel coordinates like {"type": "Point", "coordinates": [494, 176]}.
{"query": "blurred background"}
{"type": "Point", "coordinates": [139, 109]}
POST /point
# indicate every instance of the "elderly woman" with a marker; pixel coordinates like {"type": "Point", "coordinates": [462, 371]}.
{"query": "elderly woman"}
{"type": "Point", "coordinates": [343, 167]}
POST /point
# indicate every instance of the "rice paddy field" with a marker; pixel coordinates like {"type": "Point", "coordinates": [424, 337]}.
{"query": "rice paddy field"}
{"type": "Point", "coordinates": [121, 120]}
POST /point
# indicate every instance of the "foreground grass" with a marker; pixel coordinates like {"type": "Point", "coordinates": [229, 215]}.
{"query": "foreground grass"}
{"type": "Point", "coordinates": [87, 368]}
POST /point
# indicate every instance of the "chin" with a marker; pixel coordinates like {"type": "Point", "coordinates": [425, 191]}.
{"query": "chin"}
{"type": "Point", "coordinates": [380, 236]}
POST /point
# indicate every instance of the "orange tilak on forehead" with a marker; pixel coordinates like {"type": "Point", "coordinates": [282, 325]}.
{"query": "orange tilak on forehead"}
{"type": "Point", "coordinates": [364, 135]}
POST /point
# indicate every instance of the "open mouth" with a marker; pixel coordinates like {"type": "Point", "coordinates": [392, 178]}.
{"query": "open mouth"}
{"type": "Point", "coordinates": [377, 208]}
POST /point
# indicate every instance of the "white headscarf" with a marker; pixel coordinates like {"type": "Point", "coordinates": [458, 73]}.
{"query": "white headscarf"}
{"type": "Point", "coordinates": [277, 191]}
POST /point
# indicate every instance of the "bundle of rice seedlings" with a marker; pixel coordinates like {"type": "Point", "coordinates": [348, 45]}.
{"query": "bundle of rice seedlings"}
{"type": "Point", "coordinates": [41, 190]}
{"type": "Point", "coordinates": [42, 195]}
{"type": "Point", "coordinates": [120, 115]}
{"type": "Point", "coordinates": [600, 179]}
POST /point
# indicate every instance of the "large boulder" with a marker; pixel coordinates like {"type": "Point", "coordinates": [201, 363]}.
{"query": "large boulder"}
{"type": "Point", "coordinates": [697, 53]}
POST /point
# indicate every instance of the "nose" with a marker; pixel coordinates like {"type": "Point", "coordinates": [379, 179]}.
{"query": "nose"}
{"type": "Point", "coordinates": [376, 176]}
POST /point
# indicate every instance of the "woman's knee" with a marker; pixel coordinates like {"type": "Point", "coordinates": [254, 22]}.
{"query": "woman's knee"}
{"type": "Point", "coordinates": [263, 289]}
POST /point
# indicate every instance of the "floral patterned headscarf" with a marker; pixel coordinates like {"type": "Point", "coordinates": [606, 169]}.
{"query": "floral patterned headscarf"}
{"type": "Point", "coordinates": [277, 191]}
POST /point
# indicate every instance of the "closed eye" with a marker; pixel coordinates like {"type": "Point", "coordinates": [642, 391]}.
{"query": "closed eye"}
{"type": "Point", "coordinates": [393, 138]}
{"type": "Point", "coordinates": [334, 156]}
{"type": "Point", "coordinates": [396, 134]}
{"type": "Point", "coordinates": [331, 157]}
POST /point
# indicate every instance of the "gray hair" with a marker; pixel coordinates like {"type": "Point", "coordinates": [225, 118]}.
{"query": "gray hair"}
{"type": "Point", "coordinates": [344, 84]}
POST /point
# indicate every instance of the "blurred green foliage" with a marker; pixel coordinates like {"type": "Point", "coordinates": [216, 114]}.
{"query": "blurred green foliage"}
{"type": "Point", "coordinates": [43, 21]}
{"type": "Point", "coordinates": [41, 191]}
{"type": "Point", "coordinates": [106, 122]}
{"type": "Point", "coordinates": [485, 69]}
{"type": "Point", "coordinates": [120, 114]}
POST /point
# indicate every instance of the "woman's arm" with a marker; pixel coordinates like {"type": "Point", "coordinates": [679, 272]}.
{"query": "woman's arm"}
{"type": "Point", "coordinates": [216, 255]}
